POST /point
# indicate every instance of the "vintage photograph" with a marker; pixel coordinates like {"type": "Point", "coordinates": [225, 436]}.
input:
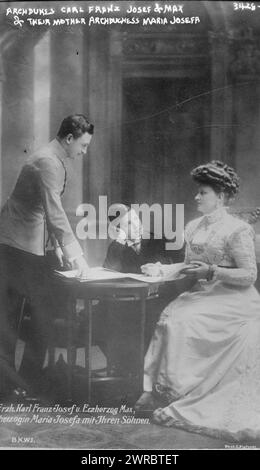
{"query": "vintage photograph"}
{"type": "Point", "coordinates": [129, 225]}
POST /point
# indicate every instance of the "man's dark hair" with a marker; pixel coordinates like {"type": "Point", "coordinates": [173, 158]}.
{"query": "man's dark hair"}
{"type": "Point", "coordinates": [122, 210]}
{"type": "Point", "coordinates": [77, 125]}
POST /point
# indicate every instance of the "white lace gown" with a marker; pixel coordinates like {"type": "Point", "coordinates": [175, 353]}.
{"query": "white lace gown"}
{"type": "Point", "coordinates": [204, 358]}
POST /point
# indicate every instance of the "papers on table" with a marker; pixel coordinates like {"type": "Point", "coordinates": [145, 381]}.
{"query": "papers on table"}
{"type": "Point", "coordinates": [95, 274]}
{"type": "Point", "coordinates": [102, 274]}
{"type": "Point", "coordinates": [170, 272]}
{"type": "Point", "coordinates": [144, 278]}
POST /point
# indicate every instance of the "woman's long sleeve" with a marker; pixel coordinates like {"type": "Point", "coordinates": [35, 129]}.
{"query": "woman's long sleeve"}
{"type": "Point", "coordinates": [242, 250]}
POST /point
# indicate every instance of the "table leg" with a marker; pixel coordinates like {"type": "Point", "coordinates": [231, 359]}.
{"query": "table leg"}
{"type": "Point", "coordinates": [88, 339]}
{"type": "Point", "coordinates": [70, 346]}
{"type": "Point", "coordinates": [141, 342]}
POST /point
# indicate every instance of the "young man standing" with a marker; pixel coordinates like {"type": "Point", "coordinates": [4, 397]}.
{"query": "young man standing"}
{"type": "Point", "coordinates": [34, 206]}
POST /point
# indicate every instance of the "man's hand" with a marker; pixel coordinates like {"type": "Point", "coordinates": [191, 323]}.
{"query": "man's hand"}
{"type": "Point", "coordinates": [82, 267]}
{"type": "Point", "coordinates": [59, 255]}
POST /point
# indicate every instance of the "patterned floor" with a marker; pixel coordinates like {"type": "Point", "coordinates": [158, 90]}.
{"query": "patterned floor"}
{"type": "Point", "coordinates": [106, 436]}
{"type": "Point", "coordinates": [85, 427]}
{"type": "Point", "coordinates": [89, 426]}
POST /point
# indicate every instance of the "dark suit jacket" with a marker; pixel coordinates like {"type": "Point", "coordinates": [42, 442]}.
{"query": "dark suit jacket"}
{"type": "Point", "coordinates": [35, 199]}
{"type": "Point", "coordinates": [124, 258]}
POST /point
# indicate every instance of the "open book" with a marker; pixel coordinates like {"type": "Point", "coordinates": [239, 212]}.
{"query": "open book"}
{"type": "Point", "coordinates": [170, 272]}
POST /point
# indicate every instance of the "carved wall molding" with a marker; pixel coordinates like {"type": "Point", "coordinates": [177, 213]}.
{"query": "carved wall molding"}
{"type": "Point", "coordinates": [166, 45]}
{"type": "Point", "coordinates": [244, 55]}
{"type": "Point", "coordinates": [242, 47]}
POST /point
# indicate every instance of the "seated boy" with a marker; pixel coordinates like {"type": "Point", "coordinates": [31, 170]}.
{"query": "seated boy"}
{"type": "Point", "coordinates": [117, 330]}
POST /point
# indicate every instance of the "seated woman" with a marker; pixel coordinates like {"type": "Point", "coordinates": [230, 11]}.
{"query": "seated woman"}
{"type": "Point", "coordinates": [202, 368]}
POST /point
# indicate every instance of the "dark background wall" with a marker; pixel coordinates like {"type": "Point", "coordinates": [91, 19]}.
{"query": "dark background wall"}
{"type": "Point", "coordinates": [163, 99]}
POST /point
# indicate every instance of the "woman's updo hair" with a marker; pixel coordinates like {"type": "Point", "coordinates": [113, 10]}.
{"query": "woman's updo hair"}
{"type": "Point", "coordinates": [219, 176]}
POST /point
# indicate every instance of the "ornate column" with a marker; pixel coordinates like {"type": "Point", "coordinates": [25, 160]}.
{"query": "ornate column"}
{"type": "Point", "coordinates": [1, 80]}
{"type": "Point", "coordinates": [67, 98]}
{"type": "Point", "coordinates": [221, 97]}
{"type": "Point", "coordinates": [244, 71]}
{"type": "Point", "coordinates": [115, 104]}
{"type": "Point", "coordinates": [99, 105]}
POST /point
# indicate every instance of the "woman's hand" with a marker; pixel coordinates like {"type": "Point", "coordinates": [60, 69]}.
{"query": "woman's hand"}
{"type": "Point", "coordinates": [196, 269]}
